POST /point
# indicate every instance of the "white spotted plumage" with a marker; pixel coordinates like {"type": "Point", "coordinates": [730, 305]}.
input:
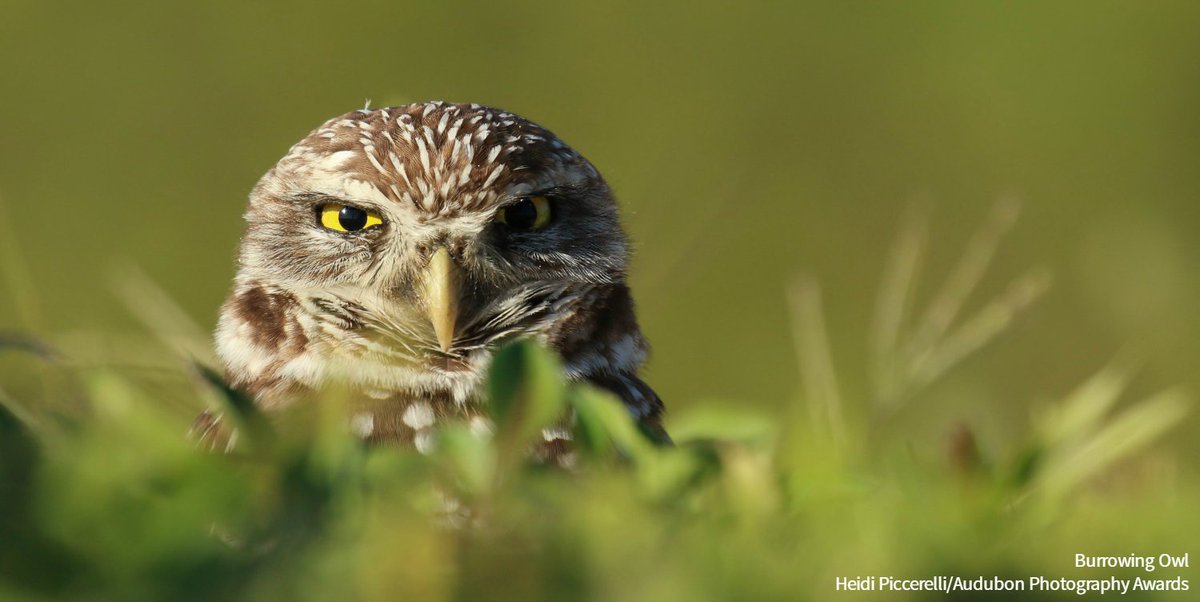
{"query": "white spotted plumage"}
{"type": "Point", "coordinates": [311, 305]}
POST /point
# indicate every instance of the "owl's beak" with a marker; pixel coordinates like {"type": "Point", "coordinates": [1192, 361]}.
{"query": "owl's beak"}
{"type": "Point", "coordinates": [441, 296]}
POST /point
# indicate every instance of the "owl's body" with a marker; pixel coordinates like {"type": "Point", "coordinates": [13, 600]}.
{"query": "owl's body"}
{"type": "Point", "coordinates": [393, 250]}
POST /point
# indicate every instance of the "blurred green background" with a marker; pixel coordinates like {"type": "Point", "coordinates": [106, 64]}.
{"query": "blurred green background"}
{"type": "Point", "coordinates": [748, 143]}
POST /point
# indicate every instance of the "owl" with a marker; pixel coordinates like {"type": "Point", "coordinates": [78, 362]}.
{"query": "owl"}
{"type": "Point", "coordinates": [393, 250]}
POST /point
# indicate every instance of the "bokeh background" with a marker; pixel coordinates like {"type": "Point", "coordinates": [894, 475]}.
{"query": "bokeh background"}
{"type": "Point", "coordinates": [748, 142]}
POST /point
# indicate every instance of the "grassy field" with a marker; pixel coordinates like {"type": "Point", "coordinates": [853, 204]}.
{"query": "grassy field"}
{"type": "Point", "coordinates": [115, 504]}
{"type": "Point", "coordinates": [106, 499]}
{"type": "Point", "coordinates": [920, 279]}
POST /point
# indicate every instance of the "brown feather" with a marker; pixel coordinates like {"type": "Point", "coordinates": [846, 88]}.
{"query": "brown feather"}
{"type": "Point", "coordinates": [312, 306]}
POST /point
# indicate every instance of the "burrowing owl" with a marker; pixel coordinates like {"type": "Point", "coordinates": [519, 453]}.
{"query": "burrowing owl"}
{"type": "Point", "coordinates": [395, 249]}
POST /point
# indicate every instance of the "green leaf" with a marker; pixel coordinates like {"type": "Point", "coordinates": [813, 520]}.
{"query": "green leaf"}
{"type": "Point", "coordinates": [469, 457]}
{"type": "Point", "coordinates": [526, 394]}
{"type": "Point", "coordinates": [603, 426]}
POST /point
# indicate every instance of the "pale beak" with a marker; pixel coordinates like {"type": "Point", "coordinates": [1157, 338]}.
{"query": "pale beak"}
{"type": "Point", "coordinates": [441, 296]}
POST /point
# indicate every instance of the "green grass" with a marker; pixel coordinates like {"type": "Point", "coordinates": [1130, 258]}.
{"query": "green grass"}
{"type": "Point", "coordinates": [102, 497]}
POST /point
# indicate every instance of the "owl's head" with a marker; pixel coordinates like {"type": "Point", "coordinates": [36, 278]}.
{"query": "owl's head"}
{"type": "Point", "coordinates": [411, 241]}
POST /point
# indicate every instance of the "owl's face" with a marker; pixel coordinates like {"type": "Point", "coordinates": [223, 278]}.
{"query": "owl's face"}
{"type": "Point", "coordinates": [398, 247]}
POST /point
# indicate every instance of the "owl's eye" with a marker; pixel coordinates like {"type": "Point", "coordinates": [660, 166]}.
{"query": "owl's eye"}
{"type": "Point", "coordinates": [529, 213]}
{"type": "Point", "coordinates": [344, 218]}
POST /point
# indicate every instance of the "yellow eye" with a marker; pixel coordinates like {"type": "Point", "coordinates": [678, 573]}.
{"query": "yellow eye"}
{"type": "Point", "coordinates": [529, 213]}
{"type": "Point", "coordinates": [345, 218]}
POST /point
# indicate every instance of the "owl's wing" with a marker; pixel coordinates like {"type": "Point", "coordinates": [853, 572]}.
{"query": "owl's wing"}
{"type": "Point", "coordinates": [643, 403]}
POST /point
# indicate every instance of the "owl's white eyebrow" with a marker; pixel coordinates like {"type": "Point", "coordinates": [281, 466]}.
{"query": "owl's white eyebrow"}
{"type": "Point", "coordinates": [310, 197]}
{"type": "Point", "coordinates": [314, 198]}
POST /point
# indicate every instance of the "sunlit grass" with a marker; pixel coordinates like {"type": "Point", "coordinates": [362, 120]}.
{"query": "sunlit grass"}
{"type": "Point", "coordinates": [103, 497]}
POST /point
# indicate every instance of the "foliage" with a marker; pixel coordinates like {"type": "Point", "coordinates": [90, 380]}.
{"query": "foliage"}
{"type": "Point", "coordinates": [120, 506]}
{"type": "Point", "coordinates": [102, 497]}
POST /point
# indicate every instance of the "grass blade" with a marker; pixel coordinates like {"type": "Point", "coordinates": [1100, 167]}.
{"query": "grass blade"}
{"type": "Point", "coordinates": [161, 315]}
{"type": "Point", "coordinates": [979, 330]}
{"type": "Point", "coordinates": [892, 307]}
{"type": "Point", "coordinates": [816, 358]}
{"type": "Point", "coordinates": [1133, 430]}
{"type": "Point", "coordinates": [963, 279]}
{"type": "Point", "coordinates": [14, 273]}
